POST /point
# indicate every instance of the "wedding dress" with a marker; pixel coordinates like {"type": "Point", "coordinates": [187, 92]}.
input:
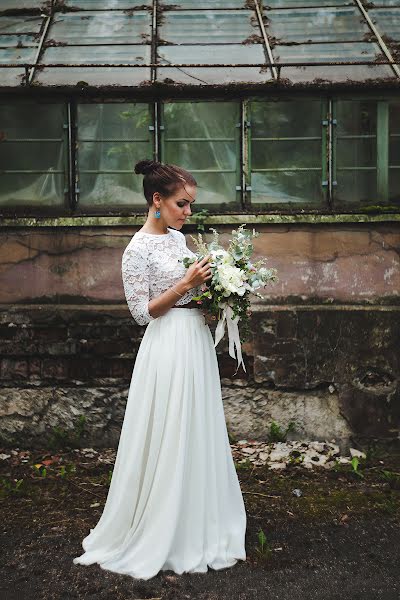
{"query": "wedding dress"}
{"type": "Point", "coordinates": [174, 501]}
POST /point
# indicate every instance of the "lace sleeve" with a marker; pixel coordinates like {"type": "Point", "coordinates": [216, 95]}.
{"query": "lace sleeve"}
{"type": "Point", "coordinates": [135, 277]}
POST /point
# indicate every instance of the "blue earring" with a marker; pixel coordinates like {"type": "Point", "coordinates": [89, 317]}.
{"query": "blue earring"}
{"type": "Point", "coordinates": [157, 214]}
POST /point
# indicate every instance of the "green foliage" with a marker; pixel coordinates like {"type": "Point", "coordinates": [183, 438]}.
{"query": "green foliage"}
{"type": "Point", "coordinates": [355, 464]}
{"type": "Point", "coordinates": [277, 434]}
{"type": "Point", "coordinates": [10, 486]}
{"type": "Point", "coordinates": [199, 217]}
{"type": "Point", "coordinates": [67, 438]}
{"type": "Point", "coordinates": [263, 549]}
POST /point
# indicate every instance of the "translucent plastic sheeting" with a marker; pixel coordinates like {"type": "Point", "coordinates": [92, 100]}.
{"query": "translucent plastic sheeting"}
{"type": "Point", "coordinates": [286, 170]}
{"type": "Point", "coordinates": [203, 137]}
{"type": "Point", "coordinates": [32, 155]}
{"type": "Point", "coordinates": [219, 54]}
{"type": "Point", "coordinates": [111, 139]}
{"type": "Point", "coordinates": [207, 26]}
{"type": "Point", "coordinates": [316, 24]}
{"type": "Point", "coordinates": [101, 27]}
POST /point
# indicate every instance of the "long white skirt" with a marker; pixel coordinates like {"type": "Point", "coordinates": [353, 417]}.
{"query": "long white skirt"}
{"type": "Point", "coordinates": [174, 500]}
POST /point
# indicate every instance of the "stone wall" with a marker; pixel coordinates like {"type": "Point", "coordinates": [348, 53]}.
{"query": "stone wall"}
{"type": "Point", "coordinates": [324, 351]}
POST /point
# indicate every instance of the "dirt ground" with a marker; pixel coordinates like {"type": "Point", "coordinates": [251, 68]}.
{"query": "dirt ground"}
{"type": "Point", "coordinates": [329, 534]}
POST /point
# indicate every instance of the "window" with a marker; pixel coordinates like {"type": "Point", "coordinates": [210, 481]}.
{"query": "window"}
{"type": "Point", "coordinates": [111, 138]}
{"type": "Point", "coordinates": [204, 138]}
{"type": "Point", "coordinates": [33, 169]}
{"type": "Point", "coordinates": [287, 155]}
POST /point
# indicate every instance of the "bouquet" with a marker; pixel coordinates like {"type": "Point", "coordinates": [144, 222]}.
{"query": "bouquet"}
{"type": "Point", "coordinates": [226, 295]}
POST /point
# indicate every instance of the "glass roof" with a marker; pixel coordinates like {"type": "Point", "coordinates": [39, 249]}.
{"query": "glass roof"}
{"type": "Point", "coordinates": [134, 43]}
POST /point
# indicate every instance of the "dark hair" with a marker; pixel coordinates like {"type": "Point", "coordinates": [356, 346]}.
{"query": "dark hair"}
{"type": "Point", "coordinates": [162, 178]}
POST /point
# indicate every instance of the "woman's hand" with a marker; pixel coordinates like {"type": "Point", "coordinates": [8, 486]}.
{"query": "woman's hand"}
{"type": "Point", "coordinates": [198, 273]}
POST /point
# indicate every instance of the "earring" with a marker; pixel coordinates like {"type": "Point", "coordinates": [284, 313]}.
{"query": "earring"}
{"type": "Point", "coordinates": [157, 214]}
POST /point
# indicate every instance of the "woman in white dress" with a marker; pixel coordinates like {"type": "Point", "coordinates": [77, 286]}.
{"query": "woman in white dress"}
{"type": "Point", "coordinates": [174, 501]}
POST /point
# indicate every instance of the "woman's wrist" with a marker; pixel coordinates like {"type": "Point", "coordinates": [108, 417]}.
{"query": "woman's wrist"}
{"type": "Point", "coordinates": [181, 287]}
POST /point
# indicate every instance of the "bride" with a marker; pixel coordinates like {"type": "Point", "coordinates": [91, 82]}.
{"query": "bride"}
{"type": "Point", "coordinates": [174, 501]}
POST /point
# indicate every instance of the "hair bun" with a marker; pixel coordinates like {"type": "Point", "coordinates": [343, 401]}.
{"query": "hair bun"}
{"type": "Point", "coordinates": [146, 166]}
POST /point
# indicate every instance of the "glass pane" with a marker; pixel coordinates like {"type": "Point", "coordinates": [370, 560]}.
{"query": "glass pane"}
{"type": "Point", "coordinates": [184, 27]}
{"type": "Point", "coordinates": [112, 138]}
{"type": "Point", "coordinates": [20, 24]}
{"type": "Point", "coordinates": [286, 118]}
{"type": "Point", "coordinates": [202, 136]}
{"type": "Point", "coordinates": [18, 40]}
{"type": "Point", "coordinates": [205, 4]}
{"type": "Point", "coordinates": [307, 3]}
{"type": "Point", "coordinates": [106, 4]}
{"type": "Point", "coordinates": [355, 117]}
{"type": "Point", "coordinates": [317, 24]}
{"type": "Point", "coordinates": [111, 190]}
{"type": "Point", "coordinates": [38, 189]}
{"type": "Point", "coordinates": [394, 186]}
{"type": "Point", "coordinates": [355, 147]}
{"type": "Point", "coordinates": [127, 76]}
{"type": "Point", "coordinates": [387, 22]}
{"type": "Point", "coordinates": [12, 4]}
{"type": "Point", "coordinates": [343, 51]}
{"type": "Point", "coordinates": [98, 54]}
{"type": "Point", "coordinates": [101, 27]}
{"type": "Point", "coordinates": [284, 145]}
{"type": "Point", "coordinates": [356, 152]}
{"type": "Point", "coordinates": [356, 187]}
{"type": "Point", "coordinates": [283, 187]}
{"type": "Point", "coordinates": [17, 55]}
{"type": "Point", "coordinates": [32, 155]}
{"type": "Point", "coordinates": [394, 130]}
{"type": "Point", "coordinates": [285, 154]}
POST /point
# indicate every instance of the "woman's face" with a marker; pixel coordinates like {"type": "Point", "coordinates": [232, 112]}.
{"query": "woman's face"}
{"type": "Point", "coordinates": [176, 208]}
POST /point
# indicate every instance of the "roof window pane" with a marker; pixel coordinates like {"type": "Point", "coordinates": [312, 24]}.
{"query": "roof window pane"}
{"type": "Point", "coordinates": [387, 22]}
{"type": "Point", "coordinates": [206, 26]}
{"type": "Point", "coordinates": [317, 25]}
{"type": "Point", "coordinates": [20, 24]}
{"type": "Point", "coordinates": [106, 4]}
{"type": "Point", "coordinates": [101, 27]}
{"type": "Point", "coordinates": [219, 54]}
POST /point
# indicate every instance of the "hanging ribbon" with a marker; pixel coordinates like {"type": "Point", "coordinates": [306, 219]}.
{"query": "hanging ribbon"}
{"type": "Point", "coordinates": [233, 334]}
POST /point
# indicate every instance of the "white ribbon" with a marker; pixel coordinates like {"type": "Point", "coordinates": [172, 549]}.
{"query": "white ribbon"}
{"type": "Point", "coordinates": [233, 334]}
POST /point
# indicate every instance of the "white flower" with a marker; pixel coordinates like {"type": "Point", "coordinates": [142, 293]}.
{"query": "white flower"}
{"type": "Point", "coordinates": [231, 279]}
{"type": "Point", "coordinates": [223, 256]}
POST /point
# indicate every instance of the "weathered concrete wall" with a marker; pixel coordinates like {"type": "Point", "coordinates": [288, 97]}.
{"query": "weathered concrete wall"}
{"type": "Point", "coordinates": [324, 351]}
{"type": "Point", "coordinates": [338, 263]}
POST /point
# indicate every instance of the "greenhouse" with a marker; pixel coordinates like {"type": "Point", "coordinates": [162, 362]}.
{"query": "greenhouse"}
{"type": "Point", "coordinates": [284, 106]}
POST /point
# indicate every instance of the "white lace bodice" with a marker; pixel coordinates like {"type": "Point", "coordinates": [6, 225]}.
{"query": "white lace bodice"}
{"type": "Point", "coordinates": [150, 265]}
